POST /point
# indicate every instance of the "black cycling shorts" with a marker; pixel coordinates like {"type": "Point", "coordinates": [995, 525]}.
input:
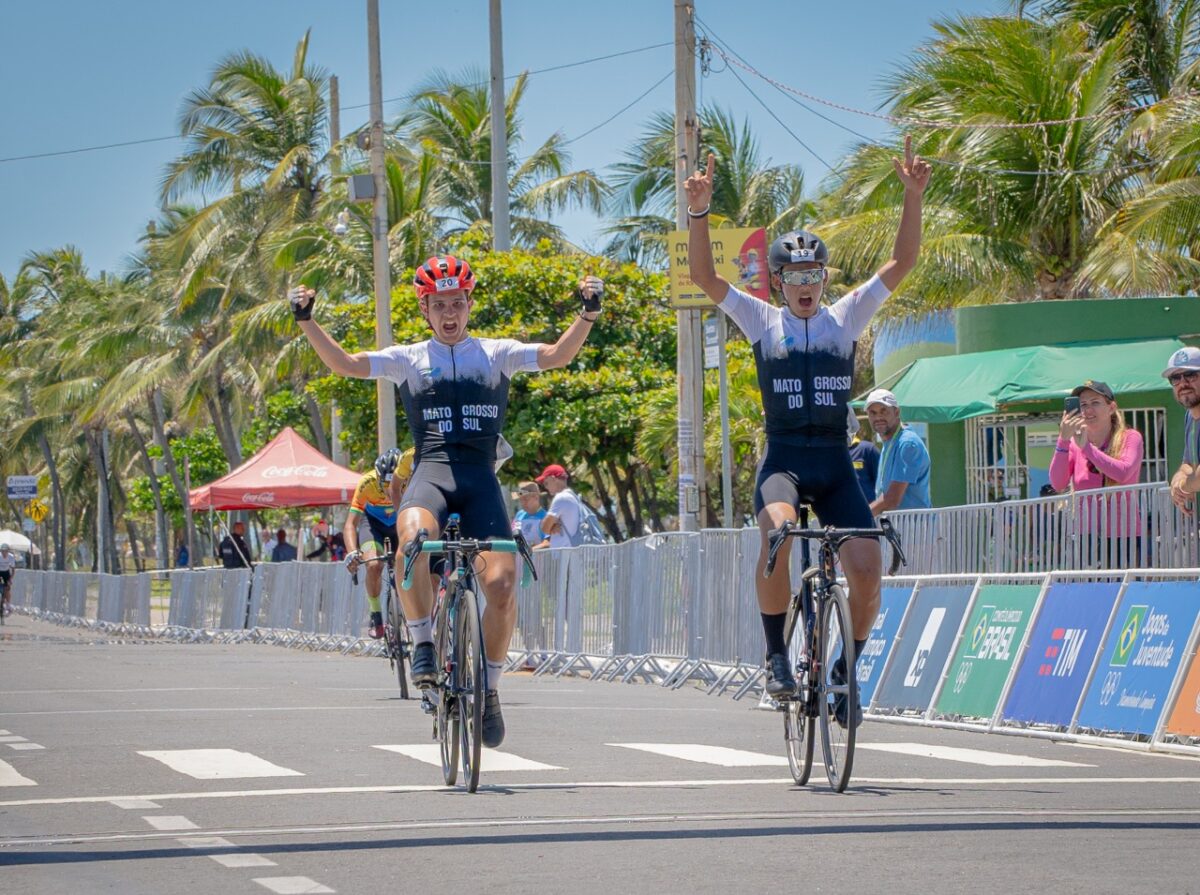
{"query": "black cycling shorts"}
{"type": "Point", "coordinates": [471, 490]}
{"type": "Point", "coordinates": [821, 476]}
{"type": "Point", "coordinates": [379, 535]}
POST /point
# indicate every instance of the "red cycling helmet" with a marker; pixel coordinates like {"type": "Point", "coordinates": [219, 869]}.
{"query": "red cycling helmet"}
{"type": "Point", "coordinates": [443, 275]}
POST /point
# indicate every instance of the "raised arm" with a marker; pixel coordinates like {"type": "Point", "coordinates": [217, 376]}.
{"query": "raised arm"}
{"type": "Point", "coordinates": [331, 353]}
{"type": "Point", "coordinates": [699, 189]}
{"type": "Point", "coordinates": [914, 174]}
{"type": "Point", "coordinates": [562, 352]}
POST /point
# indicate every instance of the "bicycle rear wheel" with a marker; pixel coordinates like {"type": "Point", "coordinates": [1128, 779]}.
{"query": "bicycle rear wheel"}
{"type": "Point", "coordinates": [799, 728]}
{"type": "Point", "coordinates": [399, 641]}
{"type": "Point", "coordinates": [836, 638]}
{"type": "Point", "coordinates": [447, 712]}
{"type": "Point", "coordinates": [471, 670]}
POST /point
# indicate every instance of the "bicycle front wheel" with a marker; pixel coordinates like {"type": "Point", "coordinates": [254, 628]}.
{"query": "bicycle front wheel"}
{"type": "Point", "coordinates": [799, 728]}
{"type": "Point", "coordinates": [447, 714]}
{"type": "Point", "coordinates": [836, 696]}
{"type": "Point", "coordinates": [471, 674]}
{"type": "Point", "coordinates": [399, 641]}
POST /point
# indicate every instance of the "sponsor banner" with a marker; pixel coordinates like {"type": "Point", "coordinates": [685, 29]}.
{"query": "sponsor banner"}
{"type": "Point", "coordinates": [928, 636]}
{"type": "Point", "coordinates": [1185, 718]}
{"type": "Point", "coordinates": [1062, 649]}
{"type": "Point", "coordinates": [739, 255]}
{"type": "Point", "coordinates": [892, 605]}
{"type": "Point", "coordinates": [988, 649]}
{"type": "Point", "coordinates": [1141, 656]}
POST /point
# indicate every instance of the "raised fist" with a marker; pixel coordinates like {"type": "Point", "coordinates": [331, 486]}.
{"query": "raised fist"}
{"type": "Point", "coordinates": [302, 299]}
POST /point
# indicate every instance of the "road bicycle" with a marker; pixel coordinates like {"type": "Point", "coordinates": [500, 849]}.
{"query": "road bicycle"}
{"type": "Point", "coordinates": [397, 639]}
{"type": "Point", "coordinates": [820, 607]}
{"type": "Point", "coordinates": [456, 699]}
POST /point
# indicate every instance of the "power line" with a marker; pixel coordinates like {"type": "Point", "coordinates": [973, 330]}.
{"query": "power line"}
{"type": "Point", "coordinates": [641, 96]}
{"type": "Point", "coordinates": [539, 71]}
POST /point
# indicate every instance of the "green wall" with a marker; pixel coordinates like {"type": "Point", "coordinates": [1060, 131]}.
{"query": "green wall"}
{"type": "Point", "coordinates": [948, 464]}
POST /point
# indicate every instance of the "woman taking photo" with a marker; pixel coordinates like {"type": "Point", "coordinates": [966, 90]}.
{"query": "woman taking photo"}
{"type": "Point", "coordinates": [1097, 450]}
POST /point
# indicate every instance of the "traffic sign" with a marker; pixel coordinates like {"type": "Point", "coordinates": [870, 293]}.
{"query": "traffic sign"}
{"type": "Point", "coordinates": [28, 524]}
{"type": "Point", "coordinates": [38, 510]}
{"type": "Point", "coordinates": [22, 487]}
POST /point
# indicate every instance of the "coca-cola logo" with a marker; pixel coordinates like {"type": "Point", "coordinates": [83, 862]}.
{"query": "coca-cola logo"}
{"type": "Point", "coordinates": [307, 470]}
{"type": "Point", "coordinates": [262, 497]}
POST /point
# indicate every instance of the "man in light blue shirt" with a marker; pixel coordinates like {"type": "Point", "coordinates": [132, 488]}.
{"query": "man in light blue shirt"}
{"type": "Point", "coordinates": [903, 479]}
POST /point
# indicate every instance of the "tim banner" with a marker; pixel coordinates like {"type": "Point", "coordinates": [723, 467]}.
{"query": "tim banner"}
{"type": "Point", "coordinates": [740, 256]}
{"type": "Point", "coordinates": [924, 645]}
{"type": "Point", "coordinates": [1141, 655]}
{"type": "Point", "coordinates": [988, 649]}
{"type": "Point", "coordinates": [1062, 649]}
{"type": "Point", "coordinates": [892, 605]}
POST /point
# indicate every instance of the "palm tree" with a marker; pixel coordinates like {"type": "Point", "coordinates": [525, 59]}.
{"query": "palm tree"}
{"type": "Point", "coordinates": [451, 120]}
{"type": "Point", "coordinates": [748, 190]}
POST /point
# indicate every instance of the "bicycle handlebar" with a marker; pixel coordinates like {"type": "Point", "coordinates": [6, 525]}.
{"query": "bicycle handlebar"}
{"type": "Point", "coordinates": [467, 545]}
{"type": "Point", "coordinates": [835, 537]}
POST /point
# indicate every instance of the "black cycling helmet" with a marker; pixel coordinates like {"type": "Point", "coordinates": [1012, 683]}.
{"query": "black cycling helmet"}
{"type": "Point", "coordinates": [791, 248]}
{"type": "Point", "coordinates": [386, 463]}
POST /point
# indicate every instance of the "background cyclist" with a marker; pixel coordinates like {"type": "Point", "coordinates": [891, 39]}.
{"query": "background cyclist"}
{"type": "Point", "coordinates": [8, 565]}
{"type": "Point", "coordinates": [454, 387]}
{"type": "Point", "coordinates": [804, 354]}
{"type": "Point", "coordinates": [372, 522]}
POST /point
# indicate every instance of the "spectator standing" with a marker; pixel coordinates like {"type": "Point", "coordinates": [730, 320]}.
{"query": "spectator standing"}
{"type": "Point", "coordinates": [234, 552]}
{"type": "Point", "coordinates": [1095, 449]}
{"type": "Point", "coordinates": [903, 479]}
{"type": "Point", "coordinates": [528, 519]}
{"type": "Point", "coordinates": [282, 551]}
{"type": "Point", "coordinates": [864, 457]}
{"type": "Point", "coordinates": [562, 520]}
{"type": "Point", "coordinates": [182, 556]}
{"type": "Point", "coordinates": [1183, 372]}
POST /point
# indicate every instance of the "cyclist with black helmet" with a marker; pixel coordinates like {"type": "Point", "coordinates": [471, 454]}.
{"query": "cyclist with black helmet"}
{"type": "Point", "coordinates": [454, 387]}
{"type": "Point", "coordinates": [371, 523]}
{"type": "Point", "coordinates": [804, 354]}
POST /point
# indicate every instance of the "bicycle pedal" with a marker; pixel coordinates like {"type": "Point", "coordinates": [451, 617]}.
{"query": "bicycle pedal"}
{"type": "Point", "coordinates": [427, 705]}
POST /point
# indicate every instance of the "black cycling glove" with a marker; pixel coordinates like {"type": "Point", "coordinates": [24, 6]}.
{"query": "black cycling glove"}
{"type": "Point", "coordinates": [300, 310]}
{"type": "Point", "coordinates": [590, 300]}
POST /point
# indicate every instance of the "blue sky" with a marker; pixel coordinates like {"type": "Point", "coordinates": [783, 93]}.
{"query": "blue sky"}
{"type": "Point", "coordinates": [80, 74]}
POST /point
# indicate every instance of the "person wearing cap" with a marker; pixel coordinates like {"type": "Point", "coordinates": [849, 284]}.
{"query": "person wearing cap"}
{"type": "Point", "coordinates": [903, 480]}
{"type": "Point", "coordinates": [528, 519]}
{"type": "Point", "coordinates": [1183, 372]}
{"type": "Point", "coordinates": [561, 524]}
{"type": "Point", "coordinates": [1096, 449]}
{"type": "Point", "coordinates": [8, 566]}
{"type": "Point", "coordinates": [804, 356]}
{"type": "Point", "coordinates": [454, 387]}
{"type": "Point", "coordinates": [864, 456]}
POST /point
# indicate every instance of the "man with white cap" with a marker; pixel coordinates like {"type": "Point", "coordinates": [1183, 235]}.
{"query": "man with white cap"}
{"type": "Point", "coordinates": [903, 480]}
{"type": "Point", "coordinates": [1183, 372]}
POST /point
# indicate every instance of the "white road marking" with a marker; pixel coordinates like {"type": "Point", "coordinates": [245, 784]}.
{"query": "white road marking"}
{"type": "Point", "coordinates": [4, 733]}
{"type": "Point", "coordinates": [1127, 751]}
{"type": "Point", "coordinates": [718, 755]}
{"type": "Point", "coordinates": [377, 706]}
{"type": "Point", "coordinates": [11, 738]}
{"type": "Point", "coordinates": [25, 747]}
{"type": "Point", "coordinates": [612, 784]}
{"type": "Point", "coordinates": [205, 842]}
{"type": "Point", "coordinates": [247, 860]}
{"type": "Point", "coordinates": [218, 764]}
{"type": "Point", "coordinates": [972, 756]}
{"type": "Point", "coordinates": [140, 690]}
{"type": "Point", "coordinates": [169, 822]}
{"type": "Point", "coordinates": [9, 776]}
{"type": "Point", "coordinates": [135, 804]}
{"type": "Point", "coordinates": [292, 885]}
{"type": "Point", "coordinates": [491, 760]}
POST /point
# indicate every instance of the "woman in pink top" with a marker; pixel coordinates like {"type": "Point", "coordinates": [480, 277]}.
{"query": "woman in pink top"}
{"type": "Point", "coordinates": [1096, 450]}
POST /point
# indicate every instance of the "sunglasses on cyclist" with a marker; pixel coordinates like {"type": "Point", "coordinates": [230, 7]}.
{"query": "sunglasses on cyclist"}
{"type": "Point", "coordinates": [803, 277]}
{"type": "Point", "coordinates": [1176, 378]}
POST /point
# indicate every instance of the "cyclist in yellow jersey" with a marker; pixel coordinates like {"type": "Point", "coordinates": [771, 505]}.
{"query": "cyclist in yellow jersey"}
{"type": "Point", "coordinates": [372, 521]}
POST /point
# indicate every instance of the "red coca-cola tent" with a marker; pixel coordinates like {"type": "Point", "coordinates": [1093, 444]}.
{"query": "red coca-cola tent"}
{"type": "Point", "coordinates": [287, 472]}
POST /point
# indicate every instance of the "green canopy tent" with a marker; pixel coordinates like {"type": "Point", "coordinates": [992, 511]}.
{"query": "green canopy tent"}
{"type": "Point", "coordinates": [960, 386]}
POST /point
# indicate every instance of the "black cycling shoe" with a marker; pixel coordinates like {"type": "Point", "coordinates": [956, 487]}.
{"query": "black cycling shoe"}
{"type": "Point", "coordinates": [837, 675]}
{"type": "Point", "coordinates": [780, 683]}
{"type": "Point", "coordinates": [424, 666]}
{"type": "Point", "coordinates": [493, 721]}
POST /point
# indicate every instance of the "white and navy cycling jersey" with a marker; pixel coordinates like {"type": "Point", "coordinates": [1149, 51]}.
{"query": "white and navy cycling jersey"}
{"type": "Point", "coordinates": [8, 562]}
{"type": "Point", "coordinates": [455, 396]}
{"type": "Point", "coordinates": [805, 364]}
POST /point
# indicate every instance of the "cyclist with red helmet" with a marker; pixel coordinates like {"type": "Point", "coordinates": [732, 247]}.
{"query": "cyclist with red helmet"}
{"type": "Point", "coordinates": [454, 387]}
{"type": "Point", "coordinates": [804, 354]}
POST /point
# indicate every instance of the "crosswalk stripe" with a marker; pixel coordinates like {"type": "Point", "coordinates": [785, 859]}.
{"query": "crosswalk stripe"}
{"type": "Point", "coordinates": [431, 753]}
{"type": "Point", "coordinates": [972, 756]}
{"type": "Point", "coordinates": [249, 860]}
{"type": "Point", "coordinates": [291, 885]}
{"type": "Point", "coordinates": [170, 822]}
{"type": "Point", "coordinates": [717, 755]}
{"type": "Point", "coordinates": [9, 776]}
{"type": "Point", "coordinates": [11, 738]}
{"type": "Point", "coordinates": [218, 764]}
{"type": "Point", "coordinates": [25, 747]}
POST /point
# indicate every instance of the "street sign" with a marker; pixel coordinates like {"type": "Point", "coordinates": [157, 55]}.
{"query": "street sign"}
{"type": "Point", "coordinates": [711, 358]}
{"type": "Point", "coordinates": [28, 524]}
{"type": "Point", "coordinates": [740, 256]}
{"type": "Point", "coordinates": [38, 510]}
{"type": "Point", "coordinates": [22, 487]}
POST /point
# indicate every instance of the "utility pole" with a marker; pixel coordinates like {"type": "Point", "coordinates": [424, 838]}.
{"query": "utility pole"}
{"type": "Point", "coordinates": [689, 370]}
{"type": "Point", "coordinates": [336, 452]}
{"type": "Point", "coordinates": [501, 240]}
{"type": "Point", "coordinates": [385, 391]}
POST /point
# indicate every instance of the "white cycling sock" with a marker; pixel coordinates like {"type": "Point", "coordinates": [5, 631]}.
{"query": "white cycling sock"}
{"type": "Point", "coordinates": [495, 669]}
{"type": "Point", "coordinates": [421, 629]}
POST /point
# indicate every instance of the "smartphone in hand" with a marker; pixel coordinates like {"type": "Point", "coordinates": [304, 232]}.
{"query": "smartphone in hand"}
{"type": "Point", "coordinates": [1071, 404]}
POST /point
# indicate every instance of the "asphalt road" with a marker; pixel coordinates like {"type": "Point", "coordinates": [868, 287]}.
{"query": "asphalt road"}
{"type": "Point", "coordinates": [313, 779]}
